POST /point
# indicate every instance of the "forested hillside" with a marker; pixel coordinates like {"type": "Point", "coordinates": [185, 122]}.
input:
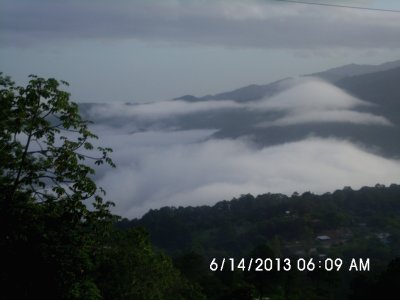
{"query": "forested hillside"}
{"type": "Point", "coordinates": [344, 224]}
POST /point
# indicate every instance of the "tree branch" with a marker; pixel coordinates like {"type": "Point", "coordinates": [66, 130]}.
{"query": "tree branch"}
{"type": "Point", "coordinates": [16, 181]}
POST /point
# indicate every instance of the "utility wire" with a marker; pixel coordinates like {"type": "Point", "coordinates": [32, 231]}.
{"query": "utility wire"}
{"type": "Point", "coordinates": [342, 6]}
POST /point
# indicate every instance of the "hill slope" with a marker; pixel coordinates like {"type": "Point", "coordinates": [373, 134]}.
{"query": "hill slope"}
{"type": "Point", "coordinates": [339, 73]}
{"type": "Point", "coordinates": [254, 92]}
{"type": "Point", "coordinates": [235, 227]}
{"type": "Point", "coordinates": [381, 88]}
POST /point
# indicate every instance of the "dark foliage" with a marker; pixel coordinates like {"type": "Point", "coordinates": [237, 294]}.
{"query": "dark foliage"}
{"type": "Point", "coordinates": [57, 235]}
{"type": "Point", "coordinates": [360, 224]}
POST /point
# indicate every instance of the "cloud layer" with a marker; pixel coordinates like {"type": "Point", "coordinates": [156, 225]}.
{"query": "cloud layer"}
{"type": "Point", "coordinates": [310, 93]}
{"type": "Point", "coordinates": [160, 165]}
{"type": "Point", "coordinates": [261, 24]}
{"type": "Point", "coordinates": [152, 173]}
{"type": "Point", "coordinates": [308, 100]}
{"type": "Point", "coordinates": [328, 116]}
{"type": "Point", "coordinates": [312, 100]}
{"type": "Point", "coordinates": [157, 110]}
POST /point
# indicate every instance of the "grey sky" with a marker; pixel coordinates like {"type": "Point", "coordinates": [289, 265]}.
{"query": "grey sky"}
{"type": "Point", "coordinates": [156, 50]}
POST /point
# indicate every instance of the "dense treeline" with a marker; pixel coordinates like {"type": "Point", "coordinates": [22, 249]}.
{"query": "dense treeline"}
{"type": "Point", "coordinates": [235, 227]}
{"type": "Point", "coordinates": [346, 224]}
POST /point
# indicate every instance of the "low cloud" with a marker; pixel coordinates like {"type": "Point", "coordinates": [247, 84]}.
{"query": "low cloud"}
{"type": "Point", "coordinates": [152, 173]}
{"type": "Point", "coordinates": [312, 100]}
{"type": "Point", "coordinates": [308, 94]}
{"type": "Point", "coordinates": [158, 110]}
{"type": "Point", "coordinates": [308, 100]}
{"type": "Point", "coordinates": [331, 116]}
{"type": "Point", "coordinates": [159, 166]}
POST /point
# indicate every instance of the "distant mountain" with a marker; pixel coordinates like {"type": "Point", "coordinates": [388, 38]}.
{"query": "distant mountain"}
{"type": "Point", "coordinates": [340, 73]}
{"type": "Point", "coordinates": [381, 88]}
{"type": "Point", "coordinates": [255, 92]}
{"type": "Point", "coordinates": [188, 98]}
{"type": "Point", "coordinates": [248, 93]}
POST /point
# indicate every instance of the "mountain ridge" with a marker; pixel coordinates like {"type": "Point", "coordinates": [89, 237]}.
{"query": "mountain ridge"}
{"type": "Point", "coordinates": [255, 91]}
{"type": "Point", "coordinates": [339, 73]}
{"type": "Point", "coordinates": [234, 122]}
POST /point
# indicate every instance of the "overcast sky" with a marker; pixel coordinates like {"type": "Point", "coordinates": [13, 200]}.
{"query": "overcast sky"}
{"type": "Point", "coordinates": [139, 51]}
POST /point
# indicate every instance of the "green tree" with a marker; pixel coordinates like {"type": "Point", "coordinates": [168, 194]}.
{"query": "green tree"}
{"type": "Point", "coordinates": [133, 270]}
{"type": "Point", "coordinates": [57, 235]}
{"type": "Point", "coordinates": [50, 235]}
{"type": "Point", "coordinates": [44, 143]}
